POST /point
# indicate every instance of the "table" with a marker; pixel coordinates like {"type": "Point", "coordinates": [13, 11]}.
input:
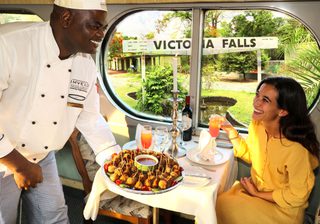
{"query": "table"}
{"type": "Point", "coordinates": [193, 199]}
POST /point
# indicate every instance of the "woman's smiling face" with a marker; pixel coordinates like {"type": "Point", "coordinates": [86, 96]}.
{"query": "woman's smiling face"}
{"type": "Point", "coordinates": [265, 104]}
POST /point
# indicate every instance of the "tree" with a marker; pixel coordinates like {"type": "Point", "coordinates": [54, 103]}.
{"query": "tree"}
{"type": "Point", "coordinates": [241, 62]}
{"type": "Point", "coordinates": [291, 34]}
{"type": "Point", "coordinates": [305, 67]}
{"type": "Point", "coordinates": [252, 23]}
{"type": "Point", "coordinates": [115, 46]}
{"type": "Point", "coordinates": [149, 36]}
{"type": "Point", "coordinates": [255, 23]}
{"type": "Point", "coordinates": [184, 16]}
{"type": "Point", "coordinates": [301, 53]}
{"type": "Point", "coordinates": [211, 23]}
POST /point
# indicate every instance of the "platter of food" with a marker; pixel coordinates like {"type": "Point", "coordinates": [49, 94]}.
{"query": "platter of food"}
{"type": "Point", "coordinates": [143, 171]}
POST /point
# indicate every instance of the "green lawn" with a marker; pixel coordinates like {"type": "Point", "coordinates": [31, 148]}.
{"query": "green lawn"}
{"type": "Point", "coordinates": [124, 84]}
{"type": "Point", "coordinates": [242, 110]}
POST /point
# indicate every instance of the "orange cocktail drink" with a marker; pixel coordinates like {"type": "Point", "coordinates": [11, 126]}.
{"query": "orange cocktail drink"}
{"type": "Point", "coordinates": [146, 136]}
{"type": "Point", "coordinates": [214, 126]}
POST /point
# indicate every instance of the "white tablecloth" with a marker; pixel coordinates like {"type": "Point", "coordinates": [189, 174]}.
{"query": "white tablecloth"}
{"type": "Point", "coordinates": [189, 197]}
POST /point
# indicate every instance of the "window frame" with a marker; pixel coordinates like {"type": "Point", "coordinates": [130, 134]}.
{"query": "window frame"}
{"type": "Point", "coordinates": [198, 12]}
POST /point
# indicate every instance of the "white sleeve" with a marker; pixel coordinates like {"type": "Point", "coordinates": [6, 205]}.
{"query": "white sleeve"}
{"type": "Point", "coordinates": [5, 145]}
{"type": "Point", "coordinates": [95, 129]}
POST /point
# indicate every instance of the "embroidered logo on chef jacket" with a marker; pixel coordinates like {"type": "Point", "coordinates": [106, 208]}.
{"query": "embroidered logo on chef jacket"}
{"type": "Point", "coordinates": [78, 91]}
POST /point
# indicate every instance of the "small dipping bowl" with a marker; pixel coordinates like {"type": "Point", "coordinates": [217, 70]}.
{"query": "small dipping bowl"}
{"type": "Point", "coordinates": [145, 162]}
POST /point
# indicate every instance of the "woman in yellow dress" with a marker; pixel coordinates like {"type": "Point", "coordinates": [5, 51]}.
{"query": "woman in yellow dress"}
{"type": "Point", "coordinates": [283, 151]}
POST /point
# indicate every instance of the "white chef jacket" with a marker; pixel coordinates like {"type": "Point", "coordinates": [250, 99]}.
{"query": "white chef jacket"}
{"type": "Point", "coordinates": [36, 91]}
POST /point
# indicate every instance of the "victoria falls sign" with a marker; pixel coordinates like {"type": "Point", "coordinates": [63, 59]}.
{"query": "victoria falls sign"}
{"type": "Point", "coordinates": [210, 45]}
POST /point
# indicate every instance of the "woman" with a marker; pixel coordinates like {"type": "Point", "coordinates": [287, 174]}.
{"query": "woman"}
{"type": "Point", "coordinates": [282, 149]}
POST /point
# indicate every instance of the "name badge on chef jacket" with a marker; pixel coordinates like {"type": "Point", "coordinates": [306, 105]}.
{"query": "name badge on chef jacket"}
{"type": "Point", "coordinates": [77, 93]}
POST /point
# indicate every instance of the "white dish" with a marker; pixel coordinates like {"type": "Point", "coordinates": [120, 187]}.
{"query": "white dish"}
{"type": "Point", "coordinates": [220, 157]}
{"type": "Point", "coordinates": [130, 145]}
{"type": "Point", "coordinates": [139, 191]}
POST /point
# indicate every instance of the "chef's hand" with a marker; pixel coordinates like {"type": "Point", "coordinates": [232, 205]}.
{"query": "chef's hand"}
{"type": "Point", "coordinates": [28, 176]}
{"type": "Point", "coordinates": [25, 173]}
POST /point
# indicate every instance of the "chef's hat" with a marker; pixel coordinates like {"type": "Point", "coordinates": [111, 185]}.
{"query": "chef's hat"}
{"type": "Point", "coordinates": [82, 4]}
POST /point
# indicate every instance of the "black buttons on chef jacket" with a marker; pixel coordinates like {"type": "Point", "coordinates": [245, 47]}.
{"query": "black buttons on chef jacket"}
{"type": "Point", "coordinates": [33, 122]}
{"type": "Point", "coordinates": [62, 96]}
{"type": "Point", "coordinates": [69, 70]}
{"type": "Point", "coordinates": [34, 159]}
{"type": "Point", "coordinates": [43, 95]}
{"type": "Point", "coordinates": [23, 145]}
{"type": "Point", "coordinates": [55, 122]}
{"type": "Point", "coordinates": [48, 65]}
{"type": "Point", "coordinates": [46, 147]}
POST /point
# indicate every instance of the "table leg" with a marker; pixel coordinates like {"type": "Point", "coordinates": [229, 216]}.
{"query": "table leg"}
{"type": "Point", "coordinates": [155, 215]}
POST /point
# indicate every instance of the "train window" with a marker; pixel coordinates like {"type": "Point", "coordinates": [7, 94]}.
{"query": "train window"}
{"type": "Point", "coordinates": [241, 47]}
{"type": "Point", "coordinates": [16, 17]}
{"type": "Point", "coordinates": [139, 61]}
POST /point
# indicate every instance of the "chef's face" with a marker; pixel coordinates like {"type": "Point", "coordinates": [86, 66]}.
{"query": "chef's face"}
{"type": "Point", "coordinates": [87, 30]}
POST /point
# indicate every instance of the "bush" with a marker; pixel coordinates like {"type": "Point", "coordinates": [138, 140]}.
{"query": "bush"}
{"type": "Point", "coordinates": [154, 95]}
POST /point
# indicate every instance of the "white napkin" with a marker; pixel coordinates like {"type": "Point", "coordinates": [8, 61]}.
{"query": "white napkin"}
{"type": "Point", "coordinates": [99, 186]}
{"type": "Point", "coordinates": [207, 146]}
{"type": "Point", "coordinates": [138, 135]}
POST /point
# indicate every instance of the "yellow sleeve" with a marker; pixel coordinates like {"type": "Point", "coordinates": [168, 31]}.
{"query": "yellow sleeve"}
{"type": "Point", "coordinates": [242, 151]}
{"type": "Point", "coordinates": [300, 180]}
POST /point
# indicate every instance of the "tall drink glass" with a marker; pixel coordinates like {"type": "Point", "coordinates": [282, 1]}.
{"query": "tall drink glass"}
{"type": "Point", "coordinates": [146, 136]}
{"type": "Point", "coordinates": [214, 125]}
{"type": "Point", "coordinates": [161, 138]}
{"type": "Point", "coordinates": [215, 122]}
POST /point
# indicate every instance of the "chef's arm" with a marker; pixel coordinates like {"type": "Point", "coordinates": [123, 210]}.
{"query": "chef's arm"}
{"type": "Point", "coordinates": [95, 128]}
{"type": "Point", "coordinates": [26, 174]}
{"type": "Point", "coordinates": [98, 135]}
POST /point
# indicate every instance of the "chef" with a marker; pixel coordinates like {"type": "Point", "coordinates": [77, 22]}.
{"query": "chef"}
{"type": "Point", "coordinates": [47, 88]}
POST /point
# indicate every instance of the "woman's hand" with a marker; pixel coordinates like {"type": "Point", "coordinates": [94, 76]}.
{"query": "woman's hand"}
{"type": "Point", "coordinates": [229, 129]}
{"type": "Point", "coordinates": [249, 186]}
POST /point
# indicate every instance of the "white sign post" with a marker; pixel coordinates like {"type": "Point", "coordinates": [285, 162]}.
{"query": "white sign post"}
{"type": "Point", "coordinates": [143, 72]}
{"type": "Point", "coordinates": [259, 65]}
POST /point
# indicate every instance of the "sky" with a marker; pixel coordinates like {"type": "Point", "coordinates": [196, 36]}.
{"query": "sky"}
{"type": "Point", "coordinates": [139, 23]}
{"type": "Point", "coordinates": [144, 22]}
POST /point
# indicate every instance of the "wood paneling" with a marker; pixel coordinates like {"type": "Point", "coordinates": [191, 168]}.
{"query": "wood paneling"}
{"type": "Point", "coordinates": [28, 2]}
{"type": "Point", "coordinates": [133, 1]}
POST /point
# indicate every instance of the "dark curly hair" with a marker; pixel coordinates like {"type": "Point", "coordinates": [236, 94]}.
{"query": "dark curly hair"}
{"type": "Point", "coordinates": [297, 125]}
